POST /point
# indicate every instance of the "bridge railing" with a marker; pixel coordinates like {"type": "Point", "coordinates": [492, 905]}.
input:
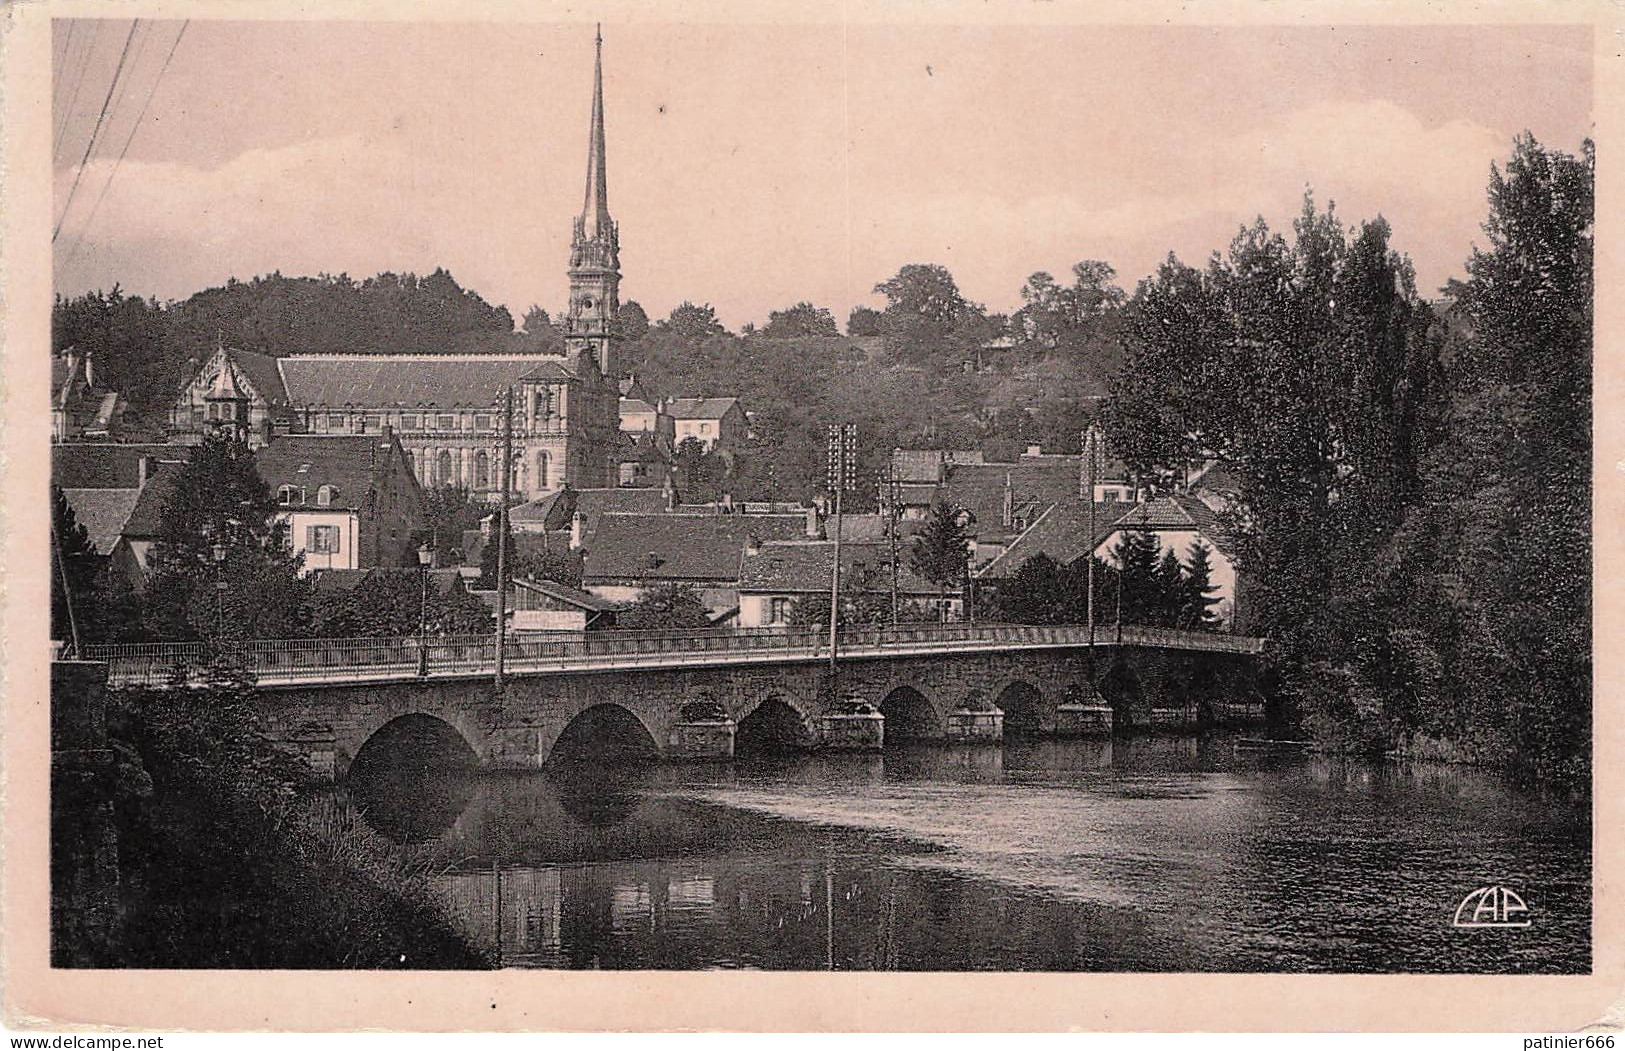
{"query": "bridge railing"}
{"type": "Point", "coordinates": [295, 660]}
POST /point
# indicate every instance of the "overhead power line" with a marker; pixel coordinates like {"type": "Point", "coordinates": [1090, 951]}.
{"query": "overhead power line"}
{"type": "Point", "coordinates": [85, 54]}
{"type": "Point", "coordinates": [62, 59]}
{"type": "Point", "coordinates": [95, 131]}
{"type": "Point", "coordinates": [139, 117]}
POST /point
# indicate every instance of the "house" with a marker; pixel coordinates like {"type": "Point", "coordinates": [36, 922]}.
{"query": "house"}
{"type": "Point", "coordinates": [1176, 521]}
{"type": "Point", "coordinates": [625, 554]}
{"type": "Point", "coordinates": [645, 460]}
{"type": "Point", "coordinates": [80, 407]}
{"type": "Point", "coordinates": [559, 511]}
{"type": "Point", "coordinates": [775, 575]}
{"type": "Point", "coordinates": [716, 423]}
{"type": "Point", "coordinates": [547, 605]}
{"type": "Point", "coordinates": [643, 415]}
{"type": "Point", "coordinates": [349, 501]}
{"type": "Point", "coordinates": [117, 493]}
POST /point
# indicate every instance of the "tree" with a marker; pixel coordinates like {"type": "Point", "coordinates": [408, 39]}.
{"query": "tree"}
{"type": "Point", "coordinates": [392, 604]}
{"type": "Point", "coordinates": [1198, 592]}
{"type": "Point", "coordinates": [1168, 587]}
{"type": "Point", "coordinates": [803, 319]}
{"type": "Point", "coordinates": [927, 319]}
{"type": "Point", "coordinates": [1135, 554]}
{"type": "Point", "coordinates": [941, 550]}
{"type": "Point", "coordinates": [690, 322]}
{"type": "Point", "coordinates": [218, 498]}
{"type": "Point", "coordinates": [75, 567]}
{"type": "Point", "coordinates": [863, 321]}
{"type": "Point", "coordinates": [665, 606]}
{"type": "Point", "coordinates": [631, 322]}
{"type": "Point", "coordinates": [449, 510]}
{"type": "Point", "coordinates": [1037, 593]}
{"type": "Point", "coordinates": [539, 334]}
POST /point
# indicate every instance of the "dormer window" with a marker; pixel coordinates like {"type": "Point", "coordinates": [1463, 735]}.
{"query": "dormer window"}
{"type": "Point", "coordinates": [284, 495]}
{"type": "Point", "coordinates": [326, 495]}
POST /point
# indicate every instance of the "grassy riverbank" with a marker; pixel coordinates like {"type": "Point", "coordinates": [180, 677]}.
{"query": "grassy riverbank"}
{"type": "Point", "coordinates": [223, 862]}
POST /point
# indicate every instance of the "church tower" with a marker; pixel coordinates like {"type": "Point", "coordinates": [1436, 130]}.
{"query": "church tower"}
{"type": "Point", "coordinates": [595, 259]}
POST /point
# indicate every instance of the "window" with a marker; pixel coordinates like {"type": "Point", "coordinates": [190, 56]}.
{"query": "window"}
{"type": "Point", "coordinates": [482, 421]}
{"type": "Point", "coordinates": [322, 539]}
{"type": "Point", "coordinates": [409, 421]}
{"type": "Point", "coordinates": [214, 410]}
{"type": "Point", "coordinates": [326, 495]}
{"type": "Point", "coordinates": [335, 421]}
{"type": "Point", "coordinates": [319, 422]}
{"type": "Point", "coordinates": [446, 422]}
{"type": "Point", "coordinates": [705, 428]}
{"type": "Point", "coordinates": [442, 467]}
{"type": "Point", "coordinates": [482, 470]}
{"type": "Point", "coordinates": [373, 424]}
{"type": "Point", "coordinates": [197, 414]}
{"type": "Point", "coordinates": [781, 610]}
{"type": "Point", "coordinates": [284, 495]}
{"type": "Point", "coordinates": [541, 470]}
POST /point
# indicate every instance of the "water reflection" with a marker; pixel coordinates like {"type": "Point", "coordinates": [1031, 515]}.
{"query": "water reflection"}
{"type": "Point", "coordinates": [1128, 854]}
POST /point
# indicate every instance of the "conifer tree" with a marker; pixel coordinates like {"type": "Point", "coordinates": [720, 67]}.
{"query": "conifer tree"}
{"type": "Point", "coordinates": [1198, 593]}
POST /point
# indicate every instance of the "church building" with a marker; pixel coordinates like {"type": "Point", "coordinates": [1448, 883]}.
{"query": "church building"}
{"type": "Point", "coordinates": [447, 408]}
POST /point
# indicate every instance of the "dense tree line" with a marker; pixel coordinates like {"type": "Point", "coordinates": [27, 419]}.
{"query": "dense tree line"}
{"type": "Point", "coordinates": [1138, 586]}
{"type": "Point", "coordinates": [1414, 515]}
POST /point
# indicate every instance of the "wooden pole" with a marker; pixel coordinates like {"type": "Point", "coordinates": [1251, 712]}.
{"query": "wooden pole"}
{"type": "Point", "coordinates": [502, 535]}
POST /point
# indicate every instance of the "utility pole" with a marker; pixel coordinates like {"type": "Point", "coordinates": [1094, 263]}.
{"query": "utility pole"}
{"type": "Point", "coordinates": [891, 533]}
{"type": "Point", "coordinates": [843, 456]}
{"type": "Point", "coordinates": [1091, 449]}
{"type": "Point", "coordinates": [502, 533]}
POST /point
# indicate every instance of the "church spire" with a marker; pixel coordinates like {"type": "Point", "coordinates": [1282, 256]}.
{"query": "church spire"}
{"type": "Point", "coordinates": [595, 219]}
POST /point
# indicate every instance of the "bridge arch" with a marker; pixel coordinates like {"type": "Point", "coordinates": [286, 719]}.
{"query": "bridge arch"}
{"type": "Point", "coordinates": [605, 732]}
{"type": "Point", "coordinates": [774, 724]}
{"type": "Point", "coordinates": [911, 714]}
{"type": "Point", "coordinates": [407, 728]}
{"type": "Point", "coordinates": [1022, 703]}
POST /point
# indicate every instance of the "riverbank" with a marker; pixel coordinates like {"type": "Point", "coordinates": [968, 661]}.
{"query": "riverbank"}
{"type": "Point", "coordinates": [223, 861]}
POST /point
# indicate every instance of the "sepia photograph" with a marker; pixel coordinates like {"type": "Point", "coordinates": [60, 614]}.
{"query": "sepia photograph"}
{"type": "Point", "coordinates": [626, 493]}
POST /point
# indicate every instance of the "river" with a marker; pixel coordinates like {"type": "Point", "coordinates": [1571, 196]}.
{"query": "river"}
{"type": "Point", "coordinates": [1127, 854]}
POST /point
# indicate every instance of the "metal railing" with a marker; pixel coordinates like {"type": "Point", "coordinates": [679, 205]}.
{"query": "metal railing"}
{"type": "Point", "coordinates": [292, 661]}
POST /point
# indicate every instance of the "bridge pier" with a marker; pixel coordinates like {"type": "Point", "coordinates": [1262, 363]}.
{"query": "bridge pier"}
{"type": "Point", "coordinates": [853, 727]}
{"type": "Point", "coordinates": [706, 740]}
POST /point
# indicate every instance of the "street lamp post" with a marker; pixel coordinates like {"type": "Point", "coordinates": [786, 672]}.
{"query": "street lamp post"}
{"type": "Point", "coordinates": [425, 557]}
{"type": "Point", "coordinates": [218, 551]}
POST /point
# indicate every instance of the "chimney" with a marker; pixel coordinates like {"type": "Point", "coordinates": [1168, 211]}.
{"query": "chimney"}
{"type": "Point", "coordinates": [812, 523]}
{"type": "Point", "coordinates": [753, 546]}
{"type": "Point", "coordinates": [389, 435]}
{"type": "Point", "coordinates": [143, 468]}
{"type": "Point", "coordinates": [1035, 450]}
{"type": "Point", "coordinates": [90, 370]}
{"type": "Point", "coordinates": [670, 491]}
{"type": "Point", "coordinates": [727, 501]}
{"type": "Point", "coordinates": [577, 520]}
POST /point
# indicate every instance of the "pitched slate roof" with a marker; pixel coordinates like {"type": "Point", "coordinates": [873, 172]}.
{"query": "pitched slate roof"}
{"type": "Point", "coordinates": [636, 405]}
{"type": "Point", "coordinates": [434, 381]}
{"type": "Point", "coordinates": [803, 566]}
{"type": "Point", "coordinates": [699, 408]}
{"type": "Point", "coordinates": [103, 513]}
{"type": "Point", "coordinates": [1061, 532]}
{"type": "Point", "coordinates": [1174, 512]}
{"type": "Point", "coordinates": [104, 465]}
{"type": "Point", "coordinates": [678, 547]}
{"type": "Point", "coordinates": [555, 509]}
{"type": "Point", "coordinates": [147, 514]}
{"type": "Point", "coordinates": [261, 372]}
{"type": "Point", "coordinates": [310, 461]}
{"type": "Point", "coordinates": [571, 596]}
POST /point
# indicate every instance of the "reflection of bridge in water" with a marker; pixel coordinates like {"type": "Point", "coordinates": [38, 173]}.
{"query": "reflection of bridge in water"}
{"type": "Point", "coordinates": [698, 694]}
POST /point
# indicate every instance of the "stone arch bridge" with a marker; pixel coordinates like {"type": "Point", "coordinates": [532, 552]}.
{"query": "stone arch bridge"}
{"type": "Point", "coordinates": [695, 694]}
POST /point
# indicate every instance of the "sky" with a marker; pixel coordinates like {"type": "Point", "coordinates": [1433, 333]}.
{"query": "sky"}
{"type": "Point", "coordinates": [755, 166]}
